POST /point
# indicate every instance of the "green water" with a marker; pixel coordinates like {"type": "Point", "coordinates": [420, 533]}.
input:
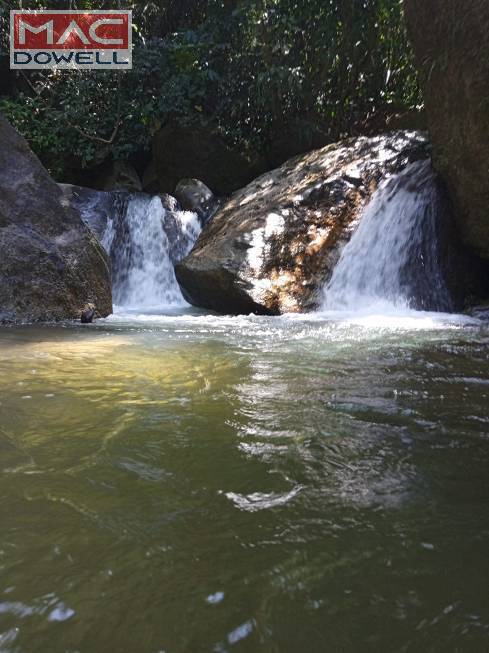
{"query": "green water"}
{"type": "Point", "coordinates": [193, 483]}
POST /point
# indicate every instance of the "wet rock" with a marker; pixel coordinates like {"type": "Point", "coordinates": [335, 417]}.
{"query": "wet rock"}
{"type": "Point", "coordinates": [51, 265]}
{"type": "Point", "coordinates": [451, 42]}
{"type": "Point", "coordinates": [95, 207]}
{"type": "Point", "coordinates": [193, 194]}
{"type": "Point", "coordinates": [169, 202]}
{"type": "Point", "coordinates": [480, 311]}
{"type": "Point", "coordinates": [272, 245]}
{"type": "Point", "coordinates": [88, 314]}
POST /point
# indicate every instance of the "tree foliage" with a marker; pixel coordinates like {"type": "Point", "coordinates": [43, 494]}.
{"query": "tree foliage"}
{"type": "Point", "coordinates": [244, 67]}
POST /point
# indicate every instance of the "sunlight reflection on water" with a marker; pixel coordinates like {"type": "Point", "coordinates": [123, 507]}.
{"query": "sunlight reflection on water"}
{"type": "Point", "coordinates": [195, 482]}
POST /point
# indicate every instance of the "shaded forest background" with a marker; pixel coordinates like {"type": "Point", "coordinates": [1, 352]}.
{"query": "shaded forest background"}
{"type": "Point", "coordinates": [258, 72]}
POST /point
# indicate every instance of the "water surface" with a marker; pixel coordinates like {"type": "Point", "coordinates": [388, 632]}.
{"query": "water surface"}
{"type": "Point", "coordinates": [188, 483]}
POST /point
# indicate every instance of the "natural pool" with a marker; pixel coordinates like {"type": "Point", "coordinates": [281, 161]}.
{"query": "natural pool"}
{"type": "Point", "coordinates": [188, 483]}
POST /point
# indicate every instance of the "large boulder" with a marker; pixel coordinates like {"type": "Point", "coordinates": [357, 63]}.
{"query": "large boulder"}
{"type": "Point", "coordinates": [51, 266]}
{"type": "Point", "coordinates": [181, 151]}
{"type": "Point", "coordinates": [451, 45]}
{"type": "Point", "coordinates": [272, 245]}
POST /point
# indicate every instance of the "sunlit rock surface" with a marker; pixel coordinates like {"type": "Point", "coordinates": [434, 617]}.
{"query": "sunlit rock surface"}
{"type": "Point", "coordinates": [271, 247]}
{"type": "Point", "coordinates": [51, 266]}
{"type": "Point", "coordinates": [451, 44]}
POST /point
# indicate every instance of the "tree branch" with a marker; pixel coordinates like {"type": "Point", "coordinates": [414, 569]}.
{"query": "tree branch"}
{"type": "Point", "coordinates": [118, 122]}
{"type": "Point", "coordinates": [99, 139]}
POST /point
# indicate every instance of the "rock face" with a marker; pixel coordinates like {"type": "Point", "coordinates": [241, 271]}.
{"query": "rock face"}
{"type": "Point", "coordinates": [270, 247]}
{"type": "Point", "coordinates": [451, 45]}
{"type": "Point", "coordinates": [194, 151]}
{"type": "Point", "coordinates": [95, 207]}
{"type": "Point", "coordinates": [51, 266]}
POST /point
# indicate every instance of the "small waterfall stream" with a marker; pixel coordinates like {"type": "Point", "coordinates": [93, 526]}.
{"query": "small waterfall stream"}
{"type": "Point", "coordinates": [144, 241]}
{"type": "Point", "coordinates": [392, 261]}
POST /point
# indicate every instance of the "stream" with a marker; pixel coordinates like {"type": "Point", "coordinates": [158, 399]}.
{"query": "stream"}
{"type": "Point", "coordinates": [176, 481]}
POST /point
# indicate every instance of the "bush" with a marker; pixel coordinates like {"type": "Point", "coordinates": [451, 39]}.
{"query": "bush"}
{"type": "Point", "coordinates": [244, 68]}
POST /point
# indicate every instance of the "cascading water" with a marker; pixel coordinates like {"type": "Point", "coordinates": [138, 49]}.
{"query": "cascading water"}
{"type": "Point", "coordinates": [393, 259]}
{"type": "Point", "coordinates": [144, 241]}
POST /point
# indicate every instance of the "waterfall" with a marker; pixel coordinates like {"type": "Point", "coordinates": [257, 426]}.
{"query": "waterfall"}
{"type": "Point", "coordinates": [393, 259]}
{"type": "Point", "coordinates": [144, 240]}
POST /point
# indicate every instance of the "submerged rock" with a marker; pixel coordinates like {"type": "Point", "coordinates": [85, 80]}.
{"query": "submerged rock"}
{"type": "Point", "coordinates": [451, 44]}
{"type": "Point", "coordinates": [271, 247]}
{"type": "Point", "coordinates": [51, 265]}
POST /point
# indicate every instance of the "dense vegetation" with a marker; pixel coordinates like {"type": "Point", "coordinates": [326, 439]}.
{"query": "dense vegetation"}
{"type": "Point", "coordinates": [248, 68]}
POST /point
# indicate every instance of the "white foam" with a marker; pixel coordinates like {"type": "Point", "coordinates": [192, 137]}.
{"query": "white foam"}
{"type": "Point", "coordinates": [144, 275]}
{"type": "Point", "coordinates": [391, 262]}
